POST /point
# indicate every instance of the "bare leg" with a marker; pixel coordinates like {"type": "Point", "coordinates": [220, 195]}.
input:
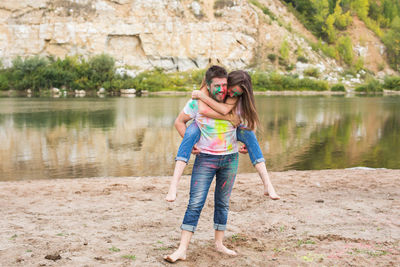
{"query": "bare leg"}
{"type": "Point", "coordinates": [179, 168]}
{"type": "Point", "coordinates": [268, 187]}
{"type": "Point", "coordinates": [180, 253]}
{"type": "Point", "coordinates": [219, 237]}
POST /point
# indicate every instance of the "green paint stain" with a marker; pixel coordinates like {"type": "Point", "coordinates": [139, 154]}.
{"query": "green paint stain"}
{"type": "Point", "coordinates": [193, 104]}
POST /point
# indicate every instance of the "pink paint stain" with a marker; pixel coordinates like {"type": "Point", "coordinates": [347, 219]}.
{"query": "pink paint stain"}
{"type": "Point", "coordinates": [195, 183]}
{"type": "Point", "coordinates": [223, 185]}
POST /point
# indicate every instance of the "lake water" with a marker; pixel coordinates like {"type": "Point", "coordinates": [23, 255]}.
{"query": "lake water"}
{"type": "Point", "coordinates": [47, 138]}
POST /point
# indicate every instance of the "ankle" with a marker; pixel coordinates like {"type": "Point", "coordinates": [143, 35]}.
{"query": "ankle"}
{"type": "Point", "coordinates": [181, 250]}
{"type": "Point", "coordinates": [173, 187]}
{"type": "Point", "coordinates": [219, 244]}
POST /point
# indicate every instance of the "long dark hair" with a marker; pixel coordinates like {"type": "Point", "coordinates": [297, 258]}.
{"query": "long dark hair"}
{"type": "Point", "coordinates": [248, 108]}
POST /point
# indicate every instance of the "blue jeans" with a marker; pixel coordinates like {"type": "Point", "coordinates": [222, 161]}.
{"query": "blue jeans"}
{"type": "Point", "coordinates": [247, 137]}
{"type": "Point", "coordinates": [206, 166]}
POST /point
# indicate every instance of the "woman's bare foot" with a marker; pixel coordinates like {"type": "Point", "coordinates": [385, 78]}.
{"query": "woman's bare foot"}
{"type": "Point", "coordinates": [270, 191]}
{"type": "Point", "coordinates": [171, 196]}
{"type": "Point", "coordinates": [176, 256]}
{"type": "Point", "coordinates": [221, 248]}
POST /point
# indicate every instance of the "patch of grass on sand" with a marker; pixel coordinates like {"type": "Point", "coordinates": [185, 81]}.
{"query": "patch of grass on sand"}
{"type": "Point", "coordinates": [310, 257]}
{"type": "Point", "coordinates": [305, 242]}
{"type": "Point", "coordinates": [129, 257]}
{"type": "Point", "coordinates": [279, 250]}
{"type": "Point", "coordinates": [114, 249]}
{"type": "Point", "coordinates": [61, 234]}
{"type": "Point", "coordinates": [162, 248]}
{"type": "Point", "coordinates": [238, 237]}
{"type": "Point", "coordinates": [373, 253]}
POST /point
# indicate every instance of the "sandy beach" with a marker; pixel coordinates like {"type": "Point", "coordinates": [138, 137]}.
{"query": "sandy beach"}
{"type": "Point", "coordinates": [324, 218]}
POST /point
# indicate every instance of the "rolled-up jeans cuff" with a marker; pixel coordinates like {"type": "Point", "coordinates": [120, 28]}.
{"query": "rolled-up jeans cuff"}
{"type": "Point", "coordinates": [188, 227]}
{"type": "Point", "coordinates": [258, 161]}
{"type": "Point", "coordinates": [181, 159]}
{"type": "Point", "coordinates": [219, 227]}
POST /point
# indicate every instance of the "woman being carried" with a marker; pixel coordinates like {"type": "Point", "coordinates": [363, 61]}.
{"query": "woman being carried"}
{"type": "Point", "coordinates": [239, 107]}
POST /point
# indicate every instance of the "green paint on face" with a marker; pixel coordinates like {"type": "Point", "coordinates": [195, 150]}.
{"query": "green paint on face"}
{"type": "Point", "coordinates": [236, 92]}
{"type": "Point", "coordinates": [217, 90]}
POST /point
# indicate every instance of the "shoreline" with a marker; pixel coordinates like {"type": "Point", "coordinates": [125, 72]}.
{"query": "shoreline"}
{"type": "Point", "coordinates": [184, 93]}
{"type": "Point", "coordinates": [327, 217]}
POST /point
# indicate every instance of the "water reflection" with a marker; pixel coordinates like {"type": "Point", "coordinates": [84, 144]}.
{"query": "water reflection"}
{"type": "Point", "coordinates": [88, 137]}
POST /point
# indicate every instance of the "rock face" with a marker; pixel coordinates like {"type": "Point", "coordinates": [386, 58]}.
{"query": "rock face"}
{"type": "Point", "coordinates": [170, 34]}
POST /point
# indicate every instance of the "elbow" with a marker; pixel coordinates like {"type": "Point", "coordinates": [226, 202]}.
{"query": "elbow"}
{"type": "Point", "coordinates": [225, 112]}
{"type": "Point", "coordinates": [202, 111]}
{"type": "Point", "coordinates": [177, 123]}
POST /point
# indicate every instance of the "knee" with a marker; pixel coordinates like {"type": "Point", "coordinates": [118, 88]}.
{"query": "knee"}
{"type": "Point", "coordinates": [195, 204]}
{"type": "Point", "coordinates": [244, 135]}
{"type": "Point", "coordinates": [195, 207]}
{"type": "Point", "coordinates": [222, 204]}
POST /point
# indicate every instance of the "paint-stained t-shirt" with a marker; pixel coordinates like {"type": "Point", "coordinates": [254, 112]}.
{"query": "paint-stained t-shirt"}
{"type": "Point", "coordinates": [218, 137]}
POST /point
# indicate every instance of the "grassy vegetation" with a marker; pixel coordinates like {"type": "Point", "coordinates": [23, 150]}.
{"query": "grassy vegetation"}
{"type": "Point", "coordinates": [74, 73]}
{"type": "Point", "coordinates": [264, 9]}
{"type": "Point", "coordinates": [372, 86]}
{"type": "Point", "coordinates": [392, 83]}
{"type": "Point", "coordinates": [312, 72]}
{"type": "Point", "coordinates": [276, 82]}
{"type": "Point", "coordinates": [219, 4]}
{"type": "Point", "coordinates": [375, 86]}
{"type": "Point", "coordinates": [329, 19]}
{"type": "Point", "coordinates": [338, 88]}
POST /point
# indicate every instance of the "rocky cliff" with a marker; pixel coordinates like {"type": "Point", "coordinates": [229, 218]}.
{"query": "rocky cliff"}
{"type": "Point", "coordinates": [172, 34]}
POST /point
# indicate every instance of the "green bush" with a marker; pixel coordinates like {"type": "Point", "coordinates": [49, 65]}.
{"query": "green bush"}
{"type": "Point", "coordinates": [219, 4]}
{"type": "Point", "coordinates": [282, 62]}
{"type": "Point", "coordinates": [289, 67]}
{"type": "Point", "coordinates": [328, 50]}
{"type": "Point", "coordinates": [71, 73]}
{"type": "Point", "coordinates": [284, 50]}
{"type": "Point", "coordinates": [345, 49]}
{"type": "Point", "coordinates": [338, 88]}
{"type": "Point", "coordinates": [311, 72]}
{"type": "Point", "coordinates": [260, 81]}
{"type": "Point", "coordinates": [392, 42]}
{"type": "Point", "coordinates": [102, 68]}
{"type": "Point", "coordinates": [302, 59]}
{"type": "Point", "coordinates": [277, 82]}
{"type": "Point", "coordinates": [392, 83]}
{"type": "Point", "coordinates": [217, 14]}
{"type": "Point", "coordinates": [373, 86]}
{"type": "Point", "coordinates": [359, 64]}
{"type": "Point", "coordinates": [4, 83]}
{"type": "Point", "coordinates": [272, 57]}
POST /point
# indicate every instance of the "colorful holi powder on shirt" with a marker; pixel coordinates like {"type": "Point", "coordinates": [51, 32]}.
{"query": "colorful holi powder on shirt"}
{"type": "Point", "coordinates": [193, 104]}
{"type": "Point", "coordinates": [218, 137]}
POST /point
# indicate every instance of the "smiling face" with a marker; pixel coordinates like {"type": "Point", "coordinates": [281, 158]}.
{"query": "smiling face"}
{"type": "Point", "coordinates": [218, 88]}
{"type": "Point", "coordinates": [235, 91]}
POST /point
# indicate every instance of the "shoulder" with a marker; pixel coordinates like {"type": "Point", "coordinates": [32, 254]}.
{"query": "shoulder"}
{"type": "Point", "coordinates": [191, 107]}
{"type": "Point", "coordinates": [192, 104]}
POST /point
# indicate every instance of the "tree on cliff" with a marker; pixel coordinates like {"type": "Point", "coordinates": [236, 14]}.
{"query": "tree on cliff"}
{"type": "Point", "coordinates": [392, 42]}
